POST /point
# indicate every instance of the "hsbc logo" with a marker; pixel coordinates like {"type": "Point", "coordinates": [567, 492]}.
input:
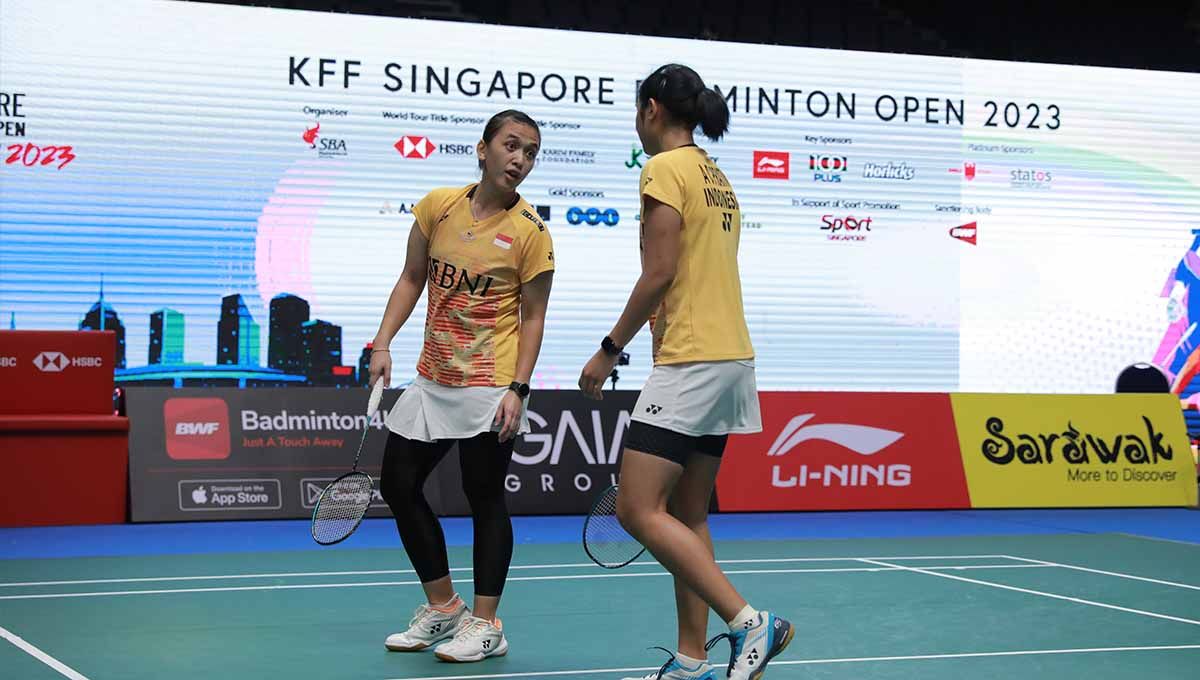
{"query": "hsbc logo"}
{"type": "Point", "coordinates": [772, 164]}
{"type": "Point", "coordinates": [457, 149]}
{"type": "Point", "coordinates": [8, 362]}
{"type": "Point", "coordinates": [196, 428]}
{"type": "Point", "coordinates": [51, 362]}
{"type": "Point", "coordinates": [56, 362]}
{"type": "Point", "coordinates": [862, 440]}
{"type": "Point", "coordinates": [411, 146]}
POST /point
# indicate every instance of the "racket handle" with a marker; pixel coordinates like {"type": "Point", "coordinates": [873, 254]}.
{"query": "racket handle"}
{"type": "Point", "coordinates": [376, 395]}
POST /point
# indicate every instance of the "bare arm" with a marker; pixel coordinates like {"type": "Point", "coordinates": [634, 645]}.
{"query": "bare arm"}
{"type": "Point", "coordinates": [407, 290]}
{"type": "Point", "coordinates": [660, 258]}
{"type": "Point", "coordinates": [661, 230]}
{"type": "Point", "coordinates": [400, 304]}
{"type": "Point", "coordinates": [535, 295]}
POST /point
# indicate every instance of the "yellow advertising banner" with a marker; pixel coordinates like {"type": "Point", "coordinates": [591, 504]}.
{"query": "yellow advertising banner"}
{"type": "Point", "coordinates": [1022, 450]}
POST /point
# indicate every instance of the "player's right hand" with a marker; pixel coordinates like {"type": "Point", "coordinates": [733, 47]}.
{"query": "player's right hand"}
{"type": "Point", "coordinates": [381, 368]}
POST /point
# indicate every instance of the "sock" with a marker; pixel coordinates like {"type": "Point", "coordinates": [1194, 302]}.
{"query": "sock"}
{"type": "Point", "coordinates": [738, 624]}
{"type": "Point", "coordinates": [688, 662]}
{"type": "Point", "coordinates": [450, 606]}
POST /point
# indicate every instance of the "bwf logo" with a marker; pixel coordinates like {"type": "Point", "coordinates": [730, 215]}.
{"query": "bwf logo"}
{"type": "Point", "coordinates": [196, 428]}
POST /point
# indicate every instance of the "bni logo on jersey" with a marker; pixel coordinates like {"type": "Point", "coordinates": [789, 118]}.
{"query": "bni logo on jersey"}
{"type": "Point", "coordinates": [772, 165]}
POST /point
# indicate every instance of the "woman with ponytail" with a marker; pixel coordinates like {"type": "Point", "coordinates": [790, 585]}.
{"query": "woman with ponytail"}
{"type": "Point", "coordinates": [702, 387]}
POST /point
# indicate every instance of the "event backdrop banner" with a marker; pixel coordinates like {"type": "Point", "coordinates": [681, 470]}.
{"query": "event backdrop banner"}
{"type": "Point", "coordinates": [230, 190]}
{"type": "Point", "coordinates": [841, 451]}
{"type": "Point", "coordinates": [201, 454]}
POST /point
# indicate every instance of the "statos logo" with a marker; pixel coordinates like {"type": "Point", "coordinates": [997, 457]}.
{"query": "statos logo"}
{"type": "Point", "coordinates": [1031, 179]}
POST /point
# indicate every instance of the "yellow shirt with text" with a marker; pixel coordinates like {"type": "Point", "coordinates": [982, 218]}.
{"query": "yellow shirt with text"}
{"type": "Point", "coordinates": [701, 318]}
{"type": "Point", "coordinates": [476, 269]}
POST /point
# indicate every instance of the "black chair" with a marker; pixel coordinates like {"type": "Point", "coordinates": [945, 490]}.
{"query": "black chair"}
{"type": "Point", "coordinates": [1143, 378]}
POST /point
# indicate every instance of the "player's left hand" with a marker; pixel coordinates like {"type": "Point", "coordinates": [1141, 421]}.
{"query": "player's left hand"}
{"type": "Point", "coordinates": [595, 373]}
{"type": "Point", "coordinates": [508, 416]}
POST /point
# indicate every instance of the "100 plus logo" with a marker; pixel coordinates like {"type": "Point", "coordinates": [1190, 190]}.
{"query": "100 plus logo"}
{"type": "Point", "coordinates": [828, 168]}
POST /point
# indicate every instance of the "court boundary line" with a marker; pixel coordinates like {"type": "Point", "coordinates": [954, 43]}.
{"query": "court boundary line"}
{"type": "Point", "coordinates": [380, 572]}
{"type": "Point", "coordinates": [1028, 591]}
{"type": "Point", "coordinates": [556, 577]}
{"type": "Point", "coordinates": [1157, 539]}
{"type": "Point", "coordinates": [1075, 567]}
{"type": "Point", "coordinates": [813, 662]}
{"type": "Point", "coordinates": [30, 649]}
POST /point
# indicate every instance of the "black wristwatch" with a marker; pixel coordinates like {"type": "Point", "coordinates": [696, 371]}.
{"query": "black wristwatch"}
{"type": "Point", "coordinates": [522, 389]}
{"type": "Point", "coordinates": [610, 347]}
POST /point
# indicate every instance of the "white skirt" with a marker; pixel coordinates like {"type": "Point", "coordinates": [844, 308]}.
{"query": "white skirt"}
{"type": "Point", "coordinates": [428, 411]}
{"type": "Point", "coordinates": [701, 398]}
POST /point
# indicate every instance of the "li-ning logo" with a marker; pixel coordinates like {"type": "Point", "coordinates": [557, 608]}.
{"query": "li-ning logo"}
{"type": "Point", "coordinates": [861, 439]}
{"type": "Point", "coordinates": [196, 428]}
{"type": "Point", "coordinates": [772, 164]}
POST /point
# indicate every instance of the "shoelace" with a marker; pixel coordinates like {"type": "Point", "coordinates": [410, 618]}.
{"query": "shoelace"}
{"type": "Point", "coordinates": [666, 665]}
{"type": "Point", "coordinates": [735, 648]}
{"type": "Point", "coordinates": [470, 627]}
{"type": "Point", "coordinates": [423, 612]}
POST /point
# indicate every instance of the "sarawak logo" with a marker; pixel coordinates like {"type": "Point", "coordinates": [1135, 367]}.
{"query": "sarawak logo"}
{"type": "Point", "coordinates": [861, 439]}
{"type": "Point", "coordinates": [1073, 446]}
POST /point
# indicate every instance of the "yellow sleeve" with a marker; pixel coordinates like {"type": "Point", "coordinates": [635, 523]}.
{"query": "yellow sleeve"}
{"type": "Point", "coordinates": [537, 253]}
{"type": "Point", "coordinates": [426, 211]}
{"type": "Point", "coordinates": [663, 182]}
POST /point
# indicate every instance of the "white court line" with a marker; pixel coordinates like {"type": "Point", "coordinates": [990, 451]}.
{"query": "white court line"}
{"type": "Point", "coordinates": [1055, 596]}
{"type": "Point", "coordinates": [1160, 540]}
{"type": "Point", "coordinates": [378, 572]}
{"type": "Point", "coordinates": [811, 662]}
{"type": "Point", "coordinates": [38, 654]}
{"type": "Point", "coordinates": [563, 577]}
{"type": "Point", "coordinates": [1117, 574]}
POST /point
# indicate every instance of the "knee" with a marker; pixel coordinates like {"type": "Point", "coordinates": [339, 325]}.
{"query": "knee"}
{"type": "Point", "coordinates": [397, 488]}
{"type": "Point", "coordinates": [630, 514]}
{"type": "Point", "coordinates": [691, 517]}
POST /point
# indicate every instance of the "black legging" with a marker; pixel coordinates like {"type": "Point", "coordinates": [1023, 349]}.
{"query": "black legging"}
{"type": "Point", "coordinates": [484, 463]}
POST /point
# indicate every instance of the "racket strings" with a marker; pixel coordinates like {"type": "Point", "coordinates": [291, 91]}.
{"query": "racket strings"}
{"type": "Point", "coordinates": [606, 540]}
{"type": "Point", "coordinates": [341, 507]}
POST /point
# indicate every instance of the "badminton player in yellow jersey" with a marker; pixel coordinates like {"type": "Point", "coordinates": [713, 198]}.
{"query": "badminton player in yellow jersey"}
{"type": "Point", "coordinates": [487, 261]}
{"type": "Point", "coordinates": [702, 387]}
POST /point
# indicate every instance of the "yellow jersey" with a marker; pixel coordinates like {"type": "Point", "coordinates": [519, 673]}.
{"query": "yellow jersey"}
{"type": "Point", "coordinates": [476, 269]}
{"type": "Point", "coordinates": [701, 318]}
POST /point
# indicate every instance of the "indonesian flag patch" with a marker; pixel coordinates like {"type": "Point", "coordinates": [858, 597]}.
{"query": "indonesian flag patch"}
{"type": "Point", "coordinates": [503, 241]}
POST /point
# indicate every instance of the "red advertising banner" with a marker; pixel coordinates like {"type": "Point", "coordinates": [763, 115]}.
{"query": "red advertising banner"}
{"type": "Point", "coordinates": [57, 372]}
{"type": "Point", "coordinates": [846, 451]}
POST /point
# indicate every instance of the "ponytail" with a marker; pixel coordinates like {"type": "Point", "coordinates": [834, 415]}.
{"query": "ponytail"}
{"type": "Point", "coordinates": [682, 92]}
